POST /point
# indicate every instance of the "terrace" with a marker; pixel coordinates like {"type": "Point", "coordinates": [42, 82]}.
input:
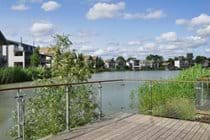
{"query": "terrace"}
{"type": "Point", "coordinates": [118, 118]}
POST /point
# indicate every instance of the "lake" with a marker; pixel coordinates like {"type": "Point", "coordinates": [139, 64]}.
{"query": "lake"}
{"type": "Point", "coordinates": [115, 95]}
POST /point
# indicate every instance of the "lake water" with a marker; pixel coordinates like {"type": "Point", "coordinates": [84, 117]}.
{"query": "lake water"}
{"type": "Point", "coordinates": [115, 95]}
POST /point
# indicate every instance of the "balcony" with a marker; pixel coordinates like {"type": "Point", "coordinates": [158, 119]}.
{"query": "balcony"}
{"type": "Point", "coordinates": [121, 109]}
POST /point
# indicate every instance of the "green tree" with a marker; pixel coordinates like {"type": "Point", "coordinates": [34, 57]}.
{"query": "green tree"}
{"type": "Point", "coordinates": [171, 61]}
{"type": "Point", "coordinates": [155, 58]}
{"type": "Point", "coordinates": [121, 63]}
{"type": "Point", "coordinates": [99, 63]}
{"type": "Point", "coordinates": [200, 59]}
{"type": "Point", "coordinates": [35, 58]}
{"type": "Point", "coordinates": [45, 112]}
{"type": "Point", "coordinates": [90, 62]}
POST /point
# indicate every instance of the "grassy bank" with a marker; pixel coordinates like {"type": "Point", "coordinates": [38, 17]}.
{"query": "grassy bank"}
{"type": "Point", "coordinates": [16, 74]}
{"type": "Point", "coordinates": [170, 99]}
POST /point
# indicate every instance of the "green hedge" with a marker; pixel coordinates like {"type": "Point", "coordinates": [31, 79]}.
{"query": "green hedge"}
{"type": "Point", "coordinates": [17, 74]}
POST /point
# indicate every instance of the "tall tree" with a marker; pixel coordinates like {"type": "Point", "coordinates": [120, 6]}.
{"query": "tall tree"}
{"type": "Point", "coordinates": [45, 112]}
{"type": "Point", "coordinates": [67, 65]}
{"type": "Point", "coordinates": [200, 59]}
{"type": "Point", "coordinates": [35, 58]}
{"type": "Point", "coordinates": [155, 58]}
{"type": "Point", "coordinates": [171, 61]}
{"type": "Point", "coordinates": [99, 62]}
{"type": "Point", "coordinates": [90, 62]}
{"type": "Point", "coordinates": [120, 62]}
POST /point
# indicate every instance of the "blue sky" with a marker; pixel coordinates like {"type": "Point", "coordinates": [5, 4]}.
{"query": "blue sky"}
{"type": "Point", "coordinates": [110, 28]}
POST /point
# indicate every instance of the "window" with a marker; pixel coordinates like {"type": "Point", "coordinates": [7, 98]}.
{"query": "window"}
{"type": "Point", "coordinates": [18, 53]}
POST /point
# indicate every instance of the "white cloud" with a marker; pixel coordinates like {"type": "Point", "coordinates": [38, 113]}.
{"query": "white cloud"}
{"type": "Point", "coordinates": [19, 7]}
{"type": "Point", "coordinates": [50, 6]}
{"type": "Point", "coordinates": [105, 10]}
{"type": "Point", "coordinates": [168, 47]}
{"type": "Point", "coordinates": [207, 50]}
{"type": "Point", "coordinates": [99, 52]}
{"type": "Point", "coordinates": [42, 29]}
{"type": "Point", "coordinates": [117, 10]}
{"type": "Point", "coordinates": [150, 14]}
{"type": "Point", "coordinates": [150, 46]}
{"type": "Point", "coordinates": [202, 19]}
{"type": "Point", "coordinates": [135, 43]}
{"type": "Point", "coordinates": [204, 31]}
{"type": "Point", "coordinates": [169, 36]}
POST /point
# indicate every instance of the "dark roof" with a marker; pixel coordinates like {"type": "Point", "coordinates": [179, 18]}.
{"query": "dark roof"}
{"type": "Point", "coordinates": [25, 46]}
{"type": "Point", "coordinates": [17, 43]}
{"type": "Point", "coordinates": [3, 40]}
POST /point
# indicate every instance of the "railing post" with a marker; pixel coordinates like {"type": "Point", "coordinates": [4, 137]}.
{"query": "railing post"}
{"type": "Point", "coordinates": [67, 108]}
{"type": "Point", "coordinates": [23, 117]}
{"type": "Point", "coordinates": [151, 98]}
{"type": "Point", "coordinates": [100, 99]}
{"type": "Point", "coordinates": [20, 116]}
{"type": "Point", "coordinates": [202, 93]}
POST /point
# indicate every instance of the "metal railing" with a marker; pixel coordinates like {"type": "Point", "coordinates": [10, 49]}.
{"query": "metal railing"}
{"type": "Point", "coordinates": [153, 87]}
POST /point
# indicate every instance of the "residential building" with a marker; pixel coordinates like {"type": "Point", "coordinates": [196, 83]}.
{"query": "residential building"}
{"type": "Point", "coordinates": [15, 53]}
{"type": "Point", "coordinates": [181, 62]}
{"type": "Point", "coordinates": [145, 64]}
{"type": "Point", "coordinates": [3, 41]}
{"type": "Point", "coordinates": [110, 64]}
{"type": "Point", "coordinates": [46, 56]}
{"type": "Point", "coordinates": [133, 64]}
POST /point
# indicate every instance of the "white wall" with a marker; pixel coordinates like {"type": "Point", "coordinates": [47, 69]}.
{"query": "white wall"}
{"type": "Point", "coordinates": [12, 58]}
{"type": "Point", "coordinates": [177, 63]}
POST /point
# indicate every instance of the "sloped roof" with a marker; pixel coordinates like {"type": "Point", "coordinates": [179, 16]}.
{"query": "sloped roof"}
{"type": "Point", "coordinates": [46, 51]}
{"type": "Point", "coordinates": [3, 40]}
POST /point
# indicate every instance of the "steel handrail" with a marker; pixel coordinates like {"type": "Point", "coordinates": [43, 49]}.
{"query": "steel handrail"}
{"type": "Point", "coordinates": [59, 85]}
{"type": "Point", "coordinates": [94, 82]}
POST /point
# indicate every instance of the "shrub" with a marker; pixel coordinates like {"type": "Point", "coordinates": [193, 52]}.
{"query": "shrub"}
{"type": "Point", "coordinates": [171, 99]}
{"type": "Point", "coordinates": [45, 110]}
{"type": "Point", "coordinates": [12, 75]}
{"type": "Point", "coordinates": [179, 108]}
{"type": "Point", "coordinates": [17, 74]}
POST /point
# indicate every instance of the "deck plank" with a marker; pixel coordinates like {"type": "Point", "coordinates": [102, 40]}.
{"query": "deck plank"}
{"type": "Point", "coordinates": [143, 127]}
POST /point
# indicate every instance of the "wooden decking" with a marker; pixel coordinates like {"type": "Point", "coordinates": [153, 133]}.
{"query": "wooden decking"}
{"type": "Point", "coordinates": [140, 127]}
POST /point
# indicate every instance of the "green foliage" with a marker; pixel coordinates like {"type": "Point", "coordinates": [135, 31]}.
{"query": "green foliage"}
{"type": "Point", "coordinates": [45, 113]}
{"type": "Point", "coordinates": [155, 58]}
{"type": "Point", "coordinates": [17, 74]}
{"type": "Point", "coordinates": [99, 63]}
{"type": "Point", "coordinates": [90, 62]}
{"type": "Point", "coordinates": [200, 59]}
{"type": "Point", "coordinates": [171, 99]}
{"type": "Point", "coordinates": [121, 63]}
{"type": "Point", "coordinates": [67, 66]}
{"type": "Point", "coordinates": [180, 108]}
{"type": "Point", "coordinates": [35, 58]}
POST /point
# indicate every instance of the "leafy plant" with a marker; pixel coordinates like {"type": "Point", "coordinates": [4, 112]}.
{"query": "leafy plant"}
{"type": "Point", "coordinates": [45, 111]}
{"type": "Point", "coordinates": [171, 99]}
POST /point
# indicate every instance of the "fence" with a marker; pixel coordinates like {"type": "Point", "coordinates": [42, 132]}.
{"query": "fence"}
{"type": "Point", "coordinates": [167, 98]}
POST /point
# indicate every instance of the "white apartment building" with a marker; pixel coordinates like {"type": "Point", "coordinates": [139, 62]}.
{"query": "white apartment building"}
{"type": "Point", "coordinates": [14, 53]}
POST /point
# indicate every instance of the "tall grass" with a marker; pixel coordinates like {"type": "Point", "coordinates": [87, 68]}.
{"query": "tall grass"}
{"type": "Point", "coordinates": [171, 99]}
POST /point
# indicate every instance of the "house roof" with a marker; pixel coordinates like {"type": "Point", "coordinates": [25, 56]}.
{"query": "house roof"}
{"type": "Point", "coordinates": [3, 40]}
{"type": "Point", "coordinates": [46, 51]}
{"type": "Point", "coordinates": [25, 46]}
